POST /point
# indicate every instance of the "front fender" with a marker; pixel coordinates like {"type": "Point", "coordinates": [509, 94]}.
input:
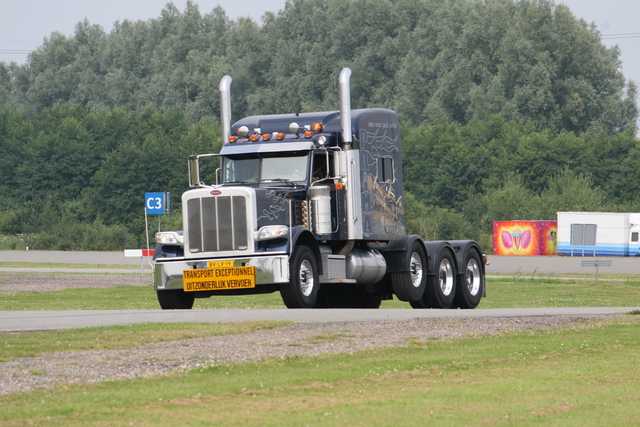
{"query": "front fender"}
{"type": "Point", "coordinates": [302, 236]}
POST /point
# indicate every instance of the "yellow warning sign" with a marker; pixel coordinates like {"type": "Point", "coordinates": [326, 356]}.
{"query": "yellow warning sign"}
{"type": "Point", "coordinates": [219, 278]}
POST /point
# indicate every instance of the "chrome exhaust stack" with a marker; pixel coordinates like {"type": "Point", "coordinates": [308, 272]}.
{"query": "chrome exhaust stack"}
{"type": "Point", "coordinates": [345, 106]}
{"type": "Point", "coordinates": [225, 108]}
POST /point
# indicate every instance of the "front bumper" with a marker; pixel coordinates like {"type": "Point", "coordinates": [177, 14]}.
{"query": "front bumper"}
{"type": "Point", "coordinates": [269, 269]}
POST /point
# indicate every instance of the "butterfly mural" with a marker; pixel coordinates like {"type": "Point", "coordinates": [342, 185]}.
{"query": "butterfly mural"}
{"type": "Point", "coordinates": [525, 238]}
{"type": "Point", "coordinates": [516, 239]}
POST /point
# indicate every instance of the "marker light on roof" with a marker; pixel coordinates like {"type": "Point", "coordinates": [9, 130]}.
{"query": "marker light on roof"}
{"type": "Point", "coordinates": [254, 138]}
{"type": "Point", "coordinates": [280, 136]}
{"type": "Point", "coordinates": [243, 131]}
{"type": "Point", "coordinates": [266, 137]}
{"type": "Point", "coordinates": [317, 127]}
{"type": "Point", "coordinates": [233, 139]}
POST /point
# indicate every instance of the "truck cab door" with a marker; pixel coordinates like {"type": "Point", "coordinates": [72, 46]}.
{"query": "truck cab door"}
{"type": "Point", "coordinates": [322, 173]}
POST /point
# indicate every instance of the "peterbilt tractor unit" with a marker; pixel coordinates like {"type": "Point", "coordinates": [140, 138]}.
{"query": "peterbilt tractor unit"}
{"type": "Point", "coordinates": [309, 205]}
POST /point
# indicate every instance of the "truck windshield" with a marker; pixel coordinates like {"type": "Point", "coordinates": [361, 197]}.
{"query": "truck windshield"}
{"type": "Point", "coordinates": [291, 167]}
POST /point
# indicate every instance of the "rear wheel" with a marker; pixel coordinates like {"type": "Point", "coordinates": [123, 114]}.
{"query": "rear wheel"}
{"type": "Point", "coordinates": [441, 287]}
{"type": "Point", "coordinates": [302, 289]}
{"type": "Point", "coordinates": [470, 291]}
{"type": "Point", "coordinates": [410, 285]}
{"type": "Point", "coordinates": [175, 299]}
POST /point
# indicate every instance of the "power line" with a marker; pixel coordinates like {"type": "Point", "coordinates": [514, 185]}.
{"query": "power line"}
{"type": "Point", "coordinates": [621, 36]}
{"type": "Point", "coordinates": [17, 47]}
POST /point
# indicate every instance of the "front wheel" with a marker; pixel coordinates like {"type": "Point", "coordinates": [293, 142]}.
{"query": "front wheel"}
{"type": "Point", "coordinates": [302, 289]}
{"type": "Point", "coordinates": [175, 299]}
{"type": "Point", "coordinates": [471, 289]}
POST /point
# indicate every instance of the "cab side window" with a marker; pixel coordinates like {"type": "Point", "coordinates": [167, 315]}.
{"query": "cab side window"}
{"type": "Point", "coordinates": [322, 166]}
{"type": "Point", "coordinates": [385, 169]}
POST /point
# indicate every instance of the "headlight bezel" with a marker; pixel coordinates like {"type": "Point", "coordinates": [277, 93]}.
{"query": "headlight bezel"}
{"type": "Point", "coordinates": [271, 232]}
{"type": "Point", "coordinates": [170, 238]}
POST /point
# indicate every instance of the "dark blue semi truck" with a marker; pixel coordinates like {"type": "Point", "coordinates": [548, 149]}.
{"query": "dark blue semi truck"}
{"type": "Point", "coordinates": [309, 205]}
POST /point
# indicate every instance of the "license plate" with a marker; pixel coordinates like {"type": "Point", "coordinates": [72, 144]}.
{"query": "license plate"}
{"type": "Point", "coordinates": [225, 263]}
{"type": "Point", "coordinates": [219, 278]}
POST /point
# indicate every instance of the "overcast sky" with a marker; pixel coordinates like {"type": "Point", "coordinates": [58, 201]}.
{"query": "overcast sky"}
{"type": "Point", "coordinates": [25, 23]}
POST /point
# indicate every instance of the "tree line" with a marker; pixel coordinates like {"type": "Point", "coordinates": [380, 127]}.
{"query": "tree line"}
{"type": "Point", "coordinates": [528, 60]}
{"type": "Point", "coordinates": [73, 179]}
{"type": "Point", "coordinates": [68, 169]}
{"type": "Point", "coordinates": [510, 110]}
{"type": "Point", "coordinates": [461, 178]}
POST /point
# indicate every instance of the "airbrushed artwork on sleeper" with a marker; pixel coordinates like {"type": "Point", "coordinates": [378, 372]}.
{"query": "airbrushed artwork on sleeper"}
{"type": "Point", "coordinates": [525, 237]}
{"type": "Point", "coordinates": [382, 195]}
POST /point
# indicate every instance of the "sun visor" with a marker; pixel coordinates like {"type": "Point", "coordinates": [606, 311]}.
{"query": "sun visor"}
{"type": "Point", "coordinates": [266, 147]}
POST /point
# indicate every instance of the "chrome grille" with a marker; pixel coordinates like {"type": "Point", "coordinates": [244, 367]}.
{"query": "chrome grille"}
{"type": "Point", "coordinates": [217, 224]}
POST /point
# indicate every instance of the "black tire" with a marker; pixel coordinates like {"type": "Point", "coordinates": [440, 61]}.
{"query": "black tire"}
{"type": "Point", "coordinates": [302, 289]}
{"type": "Point", "coordinates": [421, 303]}
{"type": "Point", "coordinates": [471, 288]}
{"type": "Point", "coordinates": [441, 287]}
{"type": "Point", "coordinates": [410, 285]}
{"type": "Point", "coordinates": [175, 299]}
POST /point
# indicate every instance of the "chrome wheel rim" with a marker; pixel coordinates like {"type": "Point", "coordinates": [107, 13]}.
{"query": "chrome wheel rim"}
{"type": "Point", "coordinates": [473, 277]}
{"type": "Point", "coordinates": [415, 268]}
{"type": "Point", "coordinates": [306, 278]}
{"type": "Point", "coordinates": [445, 277]}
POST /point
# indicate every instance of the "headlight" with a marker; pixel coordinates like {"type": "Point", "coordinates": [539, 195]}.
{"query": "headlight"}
{"type": "Point", "coordinates": [272, 232]}
{"type": "Point", "coordinates": [170, 238]}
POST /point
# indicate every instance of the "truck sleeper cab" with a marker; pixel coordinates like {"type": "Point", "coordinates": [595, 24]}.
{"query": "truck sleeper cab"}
{"type": "Point", "coordinates": [310, 205]}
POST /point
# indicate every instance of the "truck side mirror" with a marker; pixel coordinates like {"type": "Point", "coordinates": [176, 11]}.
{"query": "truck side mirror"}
{"type": "Point", "coordinates": [194, 171]}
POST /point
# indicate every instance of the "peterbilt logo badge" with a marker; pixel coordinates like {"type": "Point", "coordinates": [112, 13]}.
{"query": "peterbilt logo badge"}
{"type": "Point", "coordinates": [216, 192]}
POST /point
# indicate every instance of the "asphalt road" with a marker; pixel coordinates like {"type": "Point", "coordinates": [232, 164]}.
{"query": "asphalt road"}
{"type": "Point", "coordinates": [106, 258]}
{"type": "Point", "coordinates": [20, 321]}
{"type": "Point", "coordinates": [44, 320]}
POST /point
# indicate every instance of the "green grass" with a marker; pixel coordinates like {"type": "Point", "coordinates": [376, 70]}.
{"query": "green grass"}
{"type": "Point", "coordinates": [555, 292]}
{"type": "Point", "coordinates": [584, 377]}
{"type": "Point", "coordinates": [589, 376]}
{"type": "Point", "coordinates": [33, 344]}
{"type": "Point", "coordinates": [117, 298]}
{"type": "Point", "coordinates": [122, 298]}
{"type": "Point", "coordinates": [501, 293]}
